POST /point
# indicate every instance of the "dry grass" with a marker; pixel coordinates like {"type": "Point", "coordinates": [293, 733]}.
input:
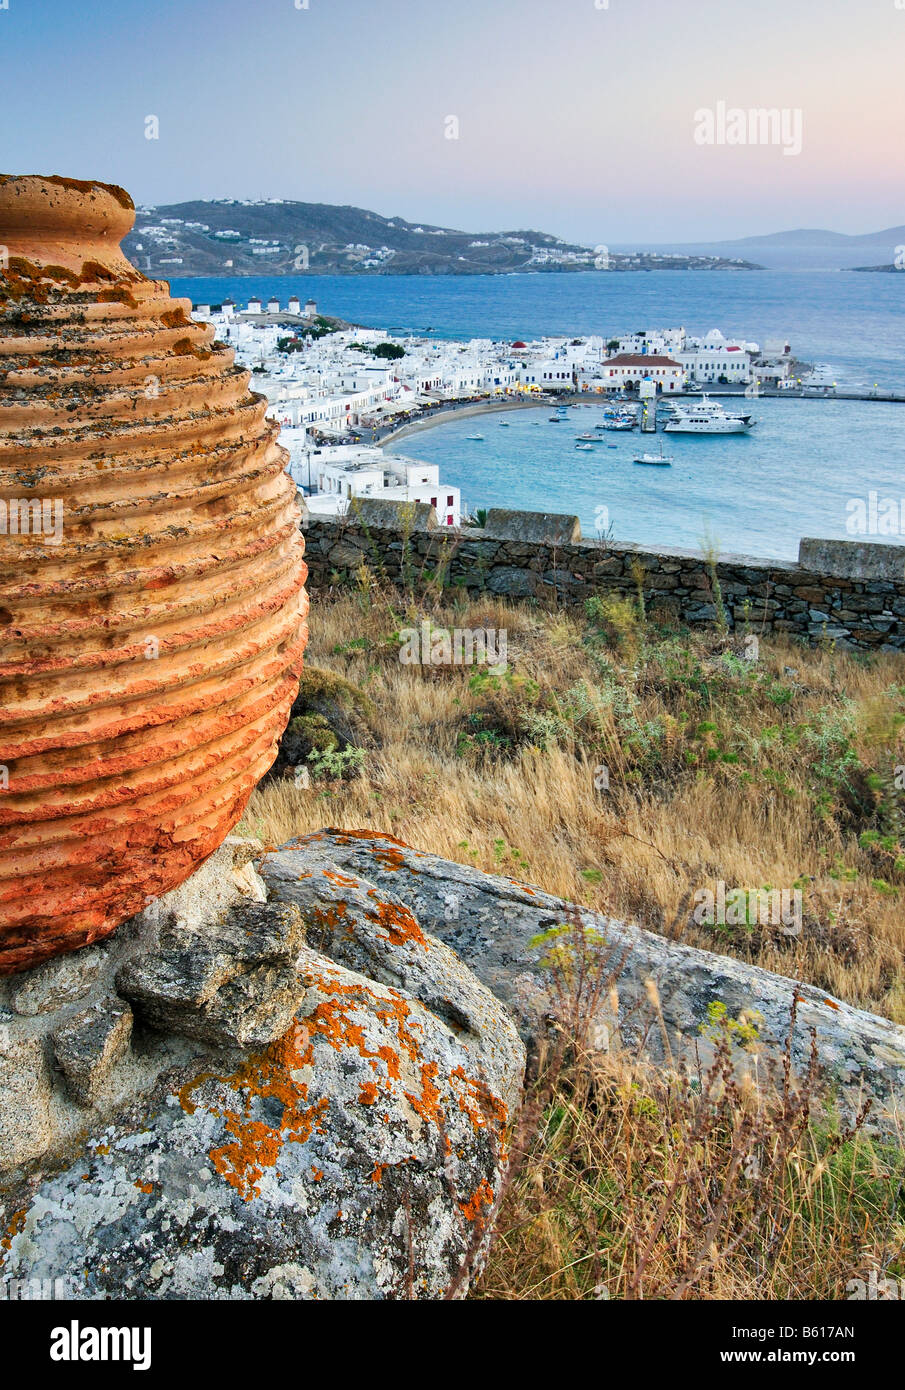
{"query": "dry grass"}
{"type": "Point", "coordinates": [634, 1183]}
{"type": "Point", "coordinates": [766, 774]}
{"type": "Point", "coordinates": [630, 1181]}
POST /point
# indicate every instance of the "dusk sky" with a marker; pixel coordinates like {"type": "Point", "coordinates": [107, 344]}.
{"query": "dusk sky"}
{"type": "Point", "coordinates": [573, 119]}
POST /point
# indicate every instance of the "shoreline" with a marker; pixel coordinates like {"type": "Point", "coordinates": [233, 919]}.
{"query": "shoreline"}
{"type": "Point", "coordinates": [452, 410]}
{"type": "Point", "coordinates": [463, 412]}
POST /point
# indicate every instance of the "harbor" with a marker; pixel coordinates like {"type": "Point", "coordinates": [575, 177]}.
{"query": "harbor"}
{"type": "Point", "coordinates": [803, 469]}
{"type": "Point", "coordinates": [763, 447]}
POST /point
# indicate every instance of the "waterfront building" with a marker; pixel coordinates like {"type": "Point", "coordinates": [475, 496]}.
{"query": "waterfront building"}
{"type": "Point", "coordinates": [630, 369]}
{"type": "Point", "coordinates": [722, 363]}
{"type": "Point", "coordinates": [651, 342]}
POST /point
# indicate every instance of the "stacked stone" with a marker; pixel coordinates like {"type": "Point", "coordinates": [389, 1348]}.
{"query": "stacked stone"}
{"type": "Point", "coordinates": [853, 594]}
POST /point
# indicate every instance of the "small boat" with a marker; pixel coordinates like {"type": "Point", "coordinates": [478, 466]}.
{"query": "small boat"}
{"type": "Point", "coordinates": [556, 419]}
{"type": "Point", "coordinates": [660, 460]}
{"type": "Point", "coordinates": [587, 438]}
{"type": "Point", "coordinates": [478, 438]}
{"type": "Point", "coordinates": [612, 446]}
{"type": "Point", "coordinates": [504, 424]}
{"type": "Point", "coordinates": [588, 447]}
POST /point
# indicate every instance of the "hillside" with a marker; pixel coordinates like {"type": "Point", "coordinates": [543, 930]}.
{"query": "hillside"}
{"type": "Point", "coordinates": [279, 238]}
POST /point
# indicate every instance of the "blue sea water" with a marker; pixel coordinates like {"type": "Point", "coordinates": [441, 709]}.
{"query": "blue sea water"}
{"type": "Point", "coordinates": [793, 476]}
{"type": "Point", "coordinates": [854, 322]}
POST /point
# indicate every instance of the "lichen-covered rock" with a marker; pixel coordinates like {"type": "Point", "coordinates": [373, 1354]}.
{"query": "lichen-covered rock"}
{"type": "Point", "coordinates": [492, 924]}
{"type": "Point", "coordinates": [234, 982]}
{"type": "Point", "coordinates": [320, 1120]}
{"type": "Point", "coordinates": [360, 1156]}
{"type": "Point", "coordinates": [90, 1043]}
{"type": "Point", "coordinates": [372, 931]}
{"type": "Point", "coordinates": [66, 1060]}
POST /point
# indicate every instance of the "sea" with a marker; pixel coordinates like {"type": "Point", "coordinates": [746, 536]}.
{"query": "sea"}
{"type": "Point", "coordinates": [808, 468]}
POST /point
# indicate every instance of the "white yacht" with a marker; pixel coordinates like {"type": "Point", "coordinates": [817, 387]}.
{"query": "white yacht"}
{"type": "Point", "coordinates": [706, 417]}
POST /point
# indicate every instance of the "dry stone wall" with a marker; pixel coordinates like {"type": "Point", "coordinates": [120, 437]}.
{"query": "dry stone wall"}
{"type": "Point", "coordinates": [849, 592]}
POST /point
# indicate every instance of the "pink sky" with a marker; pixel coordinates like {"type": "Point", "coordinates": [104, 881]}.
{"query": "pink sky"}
{"type": "Point", "coordinates": [573, 118]}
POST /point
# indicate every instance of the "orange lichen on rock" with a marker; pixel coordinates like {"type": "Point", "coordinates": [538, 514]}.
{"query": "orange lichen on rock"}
{"type": "Point", "coordinates": [477, 1101]}
{"type": "Point", "coordinates": [401, 926]}
{"type": "Point", "coordinates": [388, 857]}
{"type": "Point", "coordinates": [153, 613]}
{"type": "Point", "coordinates": [257, 1145]}
{"type": "Point", "coordinates": [342, 880]}
{"type": "Point", "coordinates": [428, 1103]}
{"type": "Point", "coordinates": [331, 1020]}
{"type": "Point", "coordinates": [16, 1224]}
{"type": "Point", "coordinates": [481, 1197]}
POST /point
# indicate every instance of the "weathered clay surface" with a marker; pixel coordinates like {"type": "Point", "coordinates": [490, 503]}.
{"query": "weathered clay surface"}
{"type": "Point", "coordinates": [357, 1155]}
{"type": "Point", "coordinates": [150, 643]}
{"type": "Point", "coordinates": [491, 922]}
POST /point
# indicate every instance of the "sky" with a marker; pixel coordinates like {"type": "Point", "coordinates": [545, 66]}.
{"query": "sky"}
{"type": "Point", "coordinates": [584, 118]}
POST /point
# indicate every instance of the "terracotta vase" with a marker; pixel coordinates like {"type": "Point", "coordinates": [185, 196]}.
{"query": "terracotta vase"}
{"type": "Point", "coordinates": [152, 609]}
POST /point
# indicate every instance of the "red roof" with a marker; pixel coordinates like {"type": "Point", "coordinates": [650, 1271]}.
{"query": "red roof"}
{"type": "Point", "coordinates": [520, 345]}
{"type": "Point", "coordinates": [632, 359]}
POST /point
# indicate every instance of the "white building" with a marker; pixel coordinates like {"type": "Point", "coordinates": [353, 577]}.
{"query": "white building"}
{"type": "Point", "coordinates": [550, 374]}
{"type": "Point", "coordinates": [630, 369]}
{"type": "Point", "coordinates": [728, 365]}
{"type": "Point", "coordinates": [657, 342]}
{"type": "Point", "coordinates": [344, 472]}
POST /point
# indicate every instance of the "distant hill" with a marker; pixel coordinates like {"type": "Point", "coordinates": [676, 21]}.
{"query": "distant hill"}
{"type": "Point", "coordinates": [228, 237]}
{"type": "Point", "coordinates": [804, 248]}
{"type": "Point", "coordinates": [816, 237]}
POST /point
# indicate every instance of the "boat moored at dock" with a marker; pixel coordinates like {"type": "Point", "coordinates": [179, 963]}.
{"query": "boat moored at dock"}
{"type": "Point", "coordinates": [707, 417]}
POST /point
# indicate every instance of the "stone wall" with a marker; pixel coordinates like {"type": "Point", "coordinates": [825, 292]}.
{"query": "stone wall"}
{"type": "Point", "coordinates": [851, 592]}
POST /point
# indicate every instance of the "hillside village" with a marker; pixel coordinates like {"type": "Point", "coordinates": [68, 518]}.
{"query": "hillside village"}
{"type": "Point", "coordinates": [279, 237]}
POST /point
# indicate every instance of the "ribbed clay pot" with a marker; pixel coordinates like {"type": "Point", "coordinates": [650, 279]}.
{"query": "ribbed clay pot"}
{"type": "Point", "coordinates": [150, 652]}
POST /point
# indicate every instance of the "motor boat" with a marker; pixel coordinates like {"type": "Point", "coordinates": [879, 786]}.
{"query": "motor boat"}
{"type": "Point", "coordinates": [706, 417]}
